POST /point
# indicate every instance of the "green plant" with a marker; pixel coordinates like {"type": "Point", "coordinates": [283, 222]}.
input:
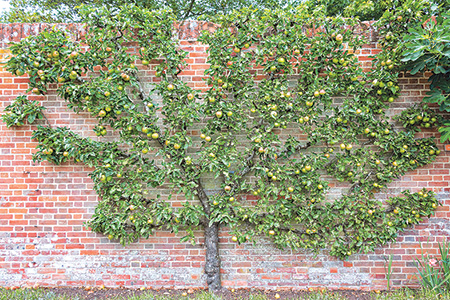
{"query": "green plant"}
{"type": "Point", "coordinates": [22, 109]}
{"type": "Point", "coordinates": [266, 138]}
{"type": "Point", "coordinates": [428, 48]}
{"type": "Point", "coordinates": [374, 10]}
{"type": "Point", "coordinates": [434, 271]}
{"type": "Point", "coordinates": [419, 116]}
{"type": "Point", "coordinates": [388, 270]}
{"type": "Point", "coordinates": [33, 294]}
{"type": "Point", "coordinates": [65, 11]}
{"type": "Point", "coordinates": [325, 295]}
{"type": "Point", "coordinates": [416, 294]}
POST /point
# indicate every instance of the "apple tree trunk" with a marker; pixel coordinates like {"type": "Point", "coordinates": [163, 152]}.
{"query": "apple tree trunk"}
{"type": "Point", "coordinates": [212, 265]}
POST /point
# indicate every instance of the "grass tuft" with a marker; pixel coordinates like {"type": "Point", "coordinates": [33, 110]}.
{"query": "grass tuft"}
{"type": "Point", "coordinates": [405, 294]}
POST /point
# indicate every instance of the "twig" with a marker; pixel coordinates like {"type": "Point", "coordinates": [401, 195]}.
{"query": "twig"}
{"type": "Point", "coordinates": [49, 125]}
{"type": "Point", "coordinates": [191, 5]}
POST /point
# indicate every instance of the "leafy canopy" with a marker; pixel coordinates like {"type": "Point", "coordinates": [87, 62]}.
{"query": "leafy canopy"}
{"type": "Point", "coordinates": [51, 11]}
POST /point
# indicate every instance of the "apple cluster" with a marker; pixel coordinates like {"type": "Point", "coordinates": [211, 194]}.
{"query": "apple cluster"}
{"type": "Point", "coordinates": [419, 116]}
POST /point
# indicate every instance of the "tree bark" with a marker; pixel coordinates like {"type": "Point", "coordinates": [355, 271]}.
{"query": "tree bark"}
{"type": "Point", "coordinates": [212, 259]}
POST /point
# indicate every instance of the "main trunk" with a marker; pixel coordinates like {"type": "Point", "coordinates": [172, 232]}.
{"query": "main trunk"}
{"type": "Point", "coordinates": [212, 266]}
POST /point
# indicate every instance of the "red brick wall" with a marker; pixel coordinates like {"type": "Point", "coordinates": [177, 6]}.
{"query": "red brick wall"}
{"type": "Point", "coordinates": [43, 208]}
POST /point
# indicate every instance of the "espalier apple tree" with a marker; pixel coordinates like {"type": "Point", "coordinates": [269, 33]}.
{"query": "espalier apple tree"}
{"type": "Point", "coordinates": [288, 109]}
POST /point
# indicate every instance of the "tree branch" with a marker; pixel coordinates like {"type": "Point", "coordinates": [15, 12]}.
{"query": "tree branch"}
{"type": "Point", "coordinates": [48, 122]}
{"type": "Point", "coordinates": [191, 5]}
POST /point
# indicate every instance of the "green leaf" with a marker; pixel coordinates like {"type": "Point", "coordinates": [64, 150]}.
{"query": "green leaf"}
{"type": "Point", "coordinates": [31, 118]}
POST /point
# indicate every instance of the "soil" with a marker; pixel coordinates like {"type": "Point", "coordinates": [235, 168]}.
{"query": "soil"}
{"type": "Point", "coordinates": [226, 294]}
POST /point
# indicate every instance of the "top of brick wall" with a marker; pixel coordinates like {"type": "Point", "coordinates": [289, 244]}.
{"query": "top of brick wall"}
{"type": "Point", "coordinates": [186, 31]}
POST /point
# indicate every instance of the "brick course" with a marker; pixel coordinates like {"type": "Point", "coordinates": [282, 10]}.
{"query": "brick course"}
{"type": "Point", "coordinates": [43, 208]}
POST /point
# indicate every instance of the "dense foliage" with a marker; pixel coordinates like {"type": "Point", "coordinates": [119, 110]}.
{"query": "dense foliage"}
{"type": "Point", "coordinates": [428, 49]}
{"type": "Point", "coordinates": [374, 10]}
{"type": "Point", "coordinates": [50, 11]}
{"type": "Point", "coordinates": [22, 109]}
{"type": "Point", "coordinates": [326, 71]}
{"type": "Point", "coordinates": [288, 108]}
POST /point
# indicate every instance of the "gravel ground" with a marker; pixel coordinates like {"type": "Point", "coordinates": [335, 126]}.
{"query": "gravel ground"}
{"type": "Point", "coordinates": [226, 294]}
